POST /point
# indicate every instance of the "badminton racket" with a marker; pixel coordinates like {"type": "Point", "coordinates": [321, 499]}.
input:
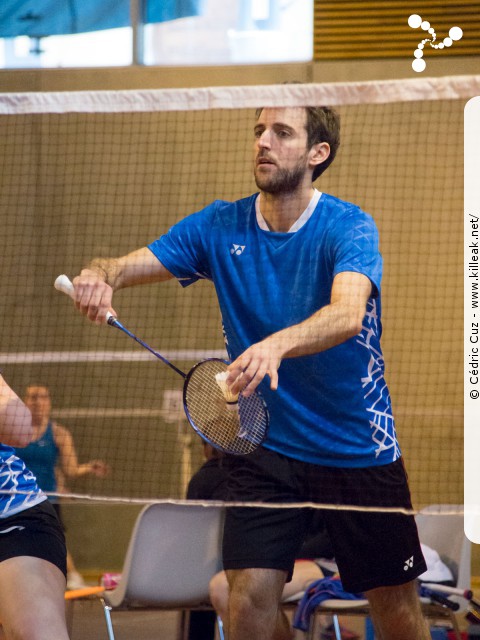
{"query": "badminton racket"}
{"type": "Point", "coordinates": [232, 424]}
{"type": "Point", "coordinates": [450, 591]}
{"type": "Point", "coordinates": [441, 593]}
{"type": "Point", "coordinates": [439, 598]}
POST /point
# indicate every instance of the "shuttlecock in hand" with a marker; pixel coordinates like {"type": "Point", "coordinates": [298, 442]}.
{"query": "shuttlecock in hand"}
{"type": "Point", "coordinates": [230, 397]}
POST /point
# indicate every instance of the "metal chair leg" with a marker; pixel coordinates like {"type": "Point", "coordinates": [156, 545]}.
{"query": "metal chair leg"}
{"type": "Point", "coordinates": [220, 628]}
{"type": "Point", "coordinates": [108, 619]}
{"type": "Point", "coordinates": [183, 625]}
{"type": "Point", "coordinates": [336, 626]}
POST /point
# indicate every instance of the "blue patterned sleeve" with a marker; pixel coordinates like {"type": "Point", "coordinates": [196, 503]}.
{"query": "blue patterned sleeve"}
{"type": "Point", "coordinates": [355, 247]}
{"type": "Point", "coordinates": [183, 249]}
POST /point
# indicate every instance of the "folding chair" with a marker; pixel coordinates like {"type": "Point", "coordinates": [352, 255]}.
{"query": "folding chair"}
{"type": "Point", "coordinates": [73, 595]}
{"type": "Point", "coordinates": [443, 533]}
{"type": "Point", "coordinates": [173, 552]}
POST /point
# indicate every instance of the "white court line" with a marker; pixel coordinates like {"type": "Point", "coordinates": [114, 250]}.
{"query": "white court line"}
{"type": "Point", "coordinates": [34, 357]}
{"type": "Point", "coordinates": [108, 412]}
{"type": "Point", "coordinates": [139, 412]}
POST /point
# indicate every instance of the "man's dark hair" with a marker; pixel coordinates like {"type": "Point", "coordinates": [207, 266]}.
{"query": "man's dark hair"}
{"type": "Point", "coordinates": [323, 125]}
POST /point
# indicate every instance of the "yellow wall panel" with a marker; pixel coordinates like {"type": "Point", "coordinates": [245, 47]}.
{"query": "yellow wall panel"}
{"type": "Point", "coordinates": [372, 28]}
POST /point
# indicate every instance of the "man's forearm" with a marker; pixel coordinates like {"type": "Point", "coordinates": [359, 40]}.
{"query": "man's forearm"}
{"type": "Point", "coordinates": [327, 328]}
{"type": "Point", "coordinates": [137, 267]}
{"type": "Point", "coordinates": [331, 325]}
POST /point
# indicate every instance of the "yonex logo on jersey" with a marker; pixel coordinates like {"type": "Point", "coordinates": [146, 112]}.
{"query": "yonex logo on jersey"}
{"type": "Point", "coordinates": [237, 249]}
{"type": "Point", "coordinates": [408, 564]}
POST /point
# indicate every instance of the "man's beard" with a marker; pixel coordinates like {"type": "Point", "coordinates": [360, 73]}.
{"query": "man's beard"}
{"type": "Point", "coordinates": [283, 180]}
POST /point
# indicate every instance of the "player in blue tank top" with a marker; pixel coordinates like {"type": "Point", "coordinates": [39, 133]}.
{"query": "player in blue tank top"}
{"type": "Point", "coordinates": [32, 545]}
{"type": "Point", "coordinates": [41, 456]}
{"type": "Point", "coordinates": [298, 276]}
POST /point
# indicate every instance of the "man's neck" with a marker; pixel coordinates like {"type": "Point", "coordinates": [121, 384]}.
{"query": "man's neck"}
{"type": "Point", "coordinates": [281, 211]}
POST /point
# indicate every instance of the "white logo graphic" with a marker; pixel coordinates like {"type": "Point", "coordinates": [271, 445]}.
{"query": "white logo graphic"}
{"type": "Point", "coordinates": [237, 249]}
{"type": "Point", "coordinates": [408, 564]}
{"type": "Point", "coordinates": [375, 388]}
{"type": "Point", "coordinates": [12, 529]}
{"type": "Point", "coordinates": [416, 21]}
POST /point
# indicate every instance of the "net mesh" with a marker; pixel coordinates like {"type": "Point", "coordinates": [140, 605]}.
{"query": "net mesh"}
{"type": "Point", "coordinates": [101, 174]}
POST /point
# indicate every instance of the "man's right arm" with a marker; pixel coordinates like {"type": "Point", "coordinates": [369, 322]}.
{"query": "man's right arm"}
{"type": "Point", "coordinates": [96, 283]}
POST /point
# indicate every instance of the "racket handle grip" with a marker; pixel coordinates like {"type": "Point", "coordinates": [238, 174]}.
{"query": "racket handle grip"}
{"type": "Point", "coordinates": [64, 284]}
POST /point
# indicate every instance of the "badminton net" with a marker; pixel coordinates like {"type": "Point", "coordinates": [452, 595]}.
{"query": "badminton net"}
{"type": "Point", "coordinates": [88, 174]}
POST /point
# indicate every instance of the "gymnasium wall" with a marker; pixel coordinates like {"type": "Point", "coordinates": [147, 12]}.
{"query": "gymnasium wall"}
{"type": "Point", "coordinates": [79, 194]}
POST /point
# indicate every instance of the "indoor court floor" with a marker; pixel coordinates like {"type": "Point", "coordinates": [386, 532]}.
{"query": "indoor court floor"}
{"type": "Point", "coordinates": [88, 623]}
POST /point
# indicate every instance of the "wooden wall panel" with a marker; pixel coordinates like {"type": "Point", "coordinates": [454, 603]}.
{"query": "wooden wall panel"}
{"type": "Point", "coordinates": [379, 29]}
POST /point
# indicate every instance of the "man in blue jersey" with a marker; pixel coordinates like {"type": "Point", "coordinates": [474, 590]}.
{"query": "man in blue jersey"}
{"type": "Point", "coordinates": [297, 273]}
{"type": "Point", "coordinates": [32, 545]}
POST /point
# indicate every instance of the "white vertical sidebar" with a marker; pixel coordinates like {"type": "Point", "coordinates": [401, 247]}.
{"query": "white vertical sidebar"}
{"type": "Point", "coordinates": [472, 320]}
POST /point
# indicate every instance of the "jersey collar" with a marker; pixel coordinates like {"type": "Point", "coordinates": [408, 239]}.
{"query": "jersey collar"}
{"type": "Point", "coordinates": [298, 224]}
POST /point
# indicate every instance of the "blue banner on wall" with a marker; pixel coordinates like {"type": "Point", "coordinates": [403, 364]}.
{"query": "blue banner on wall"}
{"type": "Point", "coordinates": [40, 18]}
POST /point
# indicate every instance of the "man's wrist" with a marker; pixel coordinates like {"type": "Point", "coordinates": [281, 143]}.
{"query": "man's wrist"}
{"type": "Point", "coordinates": [277, 342]}
{"type": "Point", "coordinates": [96, 270]}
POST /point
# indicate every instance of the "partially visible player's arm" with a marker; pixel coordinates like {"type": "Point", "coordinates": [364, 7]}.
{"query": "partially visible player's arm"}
{"type": "Point", "coordinates": [70, 466]}
{"type": "Point", "coordinates": [328, 327]}
{"type": "Point", "coordinates": [15, 418]}
{"type": "Point", "coordinates": [96, 283]}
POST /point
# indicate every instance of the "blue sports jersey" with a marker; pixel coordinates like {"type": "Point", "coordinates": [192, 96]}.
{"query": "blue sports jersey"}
{"type": "Point", "coordinates": [18, 486]}
{"type": "Point", "coordinates": [41, 457]}
{"type": "Point", "coordinates": [331, 408]}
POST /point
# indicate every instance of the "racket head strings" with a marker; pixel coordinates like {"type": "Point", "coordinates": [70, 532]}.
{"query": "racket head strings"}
{"type": "Point", "coordinates": [237, 429]}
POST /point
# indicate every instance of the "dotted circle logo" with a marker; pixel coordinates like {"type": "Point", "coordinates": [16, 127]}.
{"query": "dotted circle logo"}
{"type": "Point", "coordinates": [415, 21]}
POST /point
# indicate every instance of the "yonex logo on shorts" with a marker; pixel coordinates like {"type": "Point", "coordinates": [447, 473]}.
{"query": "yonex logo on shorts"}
{"type": "Point", "coordinates": [415, 21]}
{"type": "Point", "coordinates": [237, 249]}
{"type": "Point", "coordinates": [10, 529]}
{"type": "Point", "coordinates": [408, 564]}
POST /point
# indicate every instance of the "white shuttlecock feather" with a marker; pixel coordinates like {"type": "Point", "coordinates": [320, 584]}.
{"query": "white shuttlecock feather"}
{"type": "Point", "coordinates": [230, 398]}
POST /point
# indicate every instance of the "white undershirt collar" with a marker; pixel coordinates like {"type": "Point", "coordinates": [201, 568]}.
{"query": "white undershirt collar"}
{"type": "Point", "coordinates": [298, 224]}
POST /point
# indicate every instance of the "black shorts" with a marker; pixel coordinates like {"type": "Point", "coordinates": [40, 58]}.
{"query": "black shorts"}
{"type": "Point", "coordinates": [34, 532]}
{"type": "Point", "coordinates": [372, 549]}
{"type": "Point", "coordinates": [58, 510]}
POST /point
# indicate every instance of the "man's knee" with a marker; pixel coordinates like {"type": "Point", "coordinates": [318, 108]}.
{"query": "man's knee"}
{"type": "Point", "coordinates": [257, 589]}
{"type": "Point", "coordinates": [397, 608]}
{"type": "Point", "coordinates": [395, 596]}
{"type": "Point", "coordinates": [219, 593]}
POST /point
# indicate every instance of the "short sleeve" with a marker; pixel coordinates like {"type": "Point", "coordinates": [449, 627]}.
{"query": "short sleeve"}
{"type": "Point", "coordinates": [355, 247]}
{"type": "Point", "coordinates": [183, 249]}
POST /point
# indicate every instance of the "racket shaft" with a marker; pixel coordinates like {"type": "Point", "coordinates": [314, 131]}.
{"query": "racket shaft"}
{"type": "Point", "coordinates": [116, 323]}
{"type": "Point", "coordinates": [238, 431]}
